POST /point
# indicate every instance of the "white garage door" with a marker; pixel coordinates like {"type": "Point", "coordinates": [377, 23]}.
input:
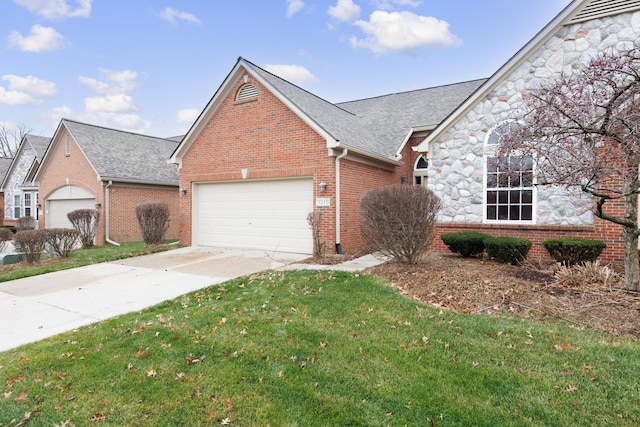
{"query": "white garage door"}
{"type": "Point", "coordinates": [58, 210]}
{"type": "Point", "coordinates": [269, 215]}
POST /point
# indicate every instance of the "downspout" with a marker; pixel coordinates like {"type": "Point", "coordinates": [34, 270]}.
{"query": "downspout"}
{"type": "Point", "coordinates": [106, 215]}
{"type": "Point", "coordinates": [344, 153]}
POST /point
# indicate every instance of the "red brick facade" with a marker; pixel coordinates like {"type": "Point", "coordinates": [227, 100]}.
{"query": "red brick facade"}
{"type": "Point", "coordinates": [72, 168]}
{"type": "Point", "coordinates": [269, 140]}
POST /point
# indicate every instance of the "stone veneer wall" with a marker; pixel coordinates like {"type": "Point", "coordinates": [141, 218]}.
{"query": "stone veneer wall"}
{"type": "Point", "coordinates": [458, 157]}
{"type": "Point", "coordinates": [18, 175]}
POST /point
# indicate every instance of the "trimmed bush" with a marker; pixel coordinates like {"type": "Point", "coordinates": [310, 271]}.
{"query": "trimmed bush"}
{"type": "Point", "coordinates": [26, 223]}
{"type": "Point", "coordinates": [5, 236]}
{"type": "Point", "coordinates": [512, 250]}
{"type": "Point", "coordinates": [30, 243]}
{"type": "Point", "coordinates": [61, 241]}
{"type": "Point", "coordinates": [399, 221]}
{"type": "Point", "coordinates": [574, 250]}
{"type": "Point", "coordinates": [465, 243]}
{"type": "Point", "coordinates": [10, 228]}
{"type": "Point", "coordinates": [86, 222]}
{"type": "Point", "coordinates": [153, 219]}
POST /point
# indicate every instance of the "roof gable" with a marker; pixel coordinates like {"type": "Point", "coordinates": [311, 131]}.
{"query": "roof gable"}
{"type": "Point", "coordinates": [576, 11]}
{"type": "Point", "coordinates": [38, 144]}
{"type": "Point", "coordinates": [121, 156]}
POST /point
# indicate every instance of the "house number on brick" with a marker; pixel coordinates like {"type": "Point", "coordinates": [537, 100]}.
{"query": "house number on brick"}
{"type": "Point", "coordinates": [323, 201]}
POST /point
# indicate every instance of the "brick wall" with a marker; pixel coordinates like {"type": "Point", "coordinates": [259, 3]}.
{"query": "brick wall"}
{"type": "Point", "coordinates": [123, 200]}
{"type": "Point", "coordinates": [74, 169]}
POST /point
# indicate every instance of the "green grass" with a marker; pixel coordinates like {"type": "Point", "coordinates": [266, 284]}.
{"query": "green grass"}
{"type": "Point", "coordinates": [319, 349]}
{"type": "Point", "coordinates": [84, 257]}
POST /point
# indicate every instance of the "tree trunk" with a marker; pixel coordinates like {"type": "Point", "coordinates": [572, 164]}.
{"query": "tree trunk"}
{"type": "Point", "coordinates": [630, 235]}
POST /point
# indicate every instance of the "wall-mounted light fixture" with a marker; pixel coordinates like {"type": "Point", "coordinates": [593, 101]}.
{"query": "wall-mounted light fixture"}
{"type": "Point", "coordinates": [322, 187]}
{"type": "Point", "coordinates": [98, 205]}
{"type": "Point", "coordinates": [38, 205]}
{"type": "Point", "coordinates": [183, 191]}
{"type": "Point", "coordinates": [403, 179]}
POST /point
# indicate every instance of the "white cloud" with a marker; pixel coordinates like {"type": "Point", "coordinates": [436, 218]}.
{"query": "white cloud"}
{"type": "Point", "coordinates": [294, 73]}
{"type": "Point", "coordinates": [40, 39]}
{"type": "Point", "coordinates": [173, 16]}
{"type": "Point", "coordinates": [294, 7]}
{"type": "Point", "coordinates": [344, 10]}
{"type": "Point", "coordinates": [113, 106]}
{"type": "Point", "coordinates": [28, 90]}
{"type": "Point", "coordinates": [57, 9]}
{"type": "Point", "coordinates": [187, 116]}
{"type": "Point", "coordinates": [403, 32]}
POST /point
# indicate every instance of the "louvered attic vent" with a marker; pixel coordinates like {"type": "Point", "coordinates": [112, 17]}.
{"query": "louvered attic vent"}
{"type": "Point", "coordinates": [247, 91]}
{"type": "Point", "coordinates": [602, 8]}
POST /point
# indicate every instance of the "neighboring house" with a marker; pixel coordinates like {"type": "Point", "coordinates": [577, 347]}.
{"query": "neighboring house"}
{"type": "Point", "coordinates": [265, 153]}
{"type": "Point", "coordinates": [92, 167]}
{"type": "Point", "coordinates": [5, 163]}
{"type": "Point", "coordinates": [20, 193]}
{"type": "Point", "coordinates": [462, 167]}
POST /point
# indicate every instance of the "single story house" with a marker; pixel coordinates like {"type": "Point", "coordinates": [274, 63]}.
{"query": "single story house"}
{"type": "Point", "coordinates": [20, 192]}
{"type": "Point", "coordinates": [265, 153]}
{"type": "Point", "coordinates": [113, 171]}
{"type": "Point", "coordinates": [460, 150]}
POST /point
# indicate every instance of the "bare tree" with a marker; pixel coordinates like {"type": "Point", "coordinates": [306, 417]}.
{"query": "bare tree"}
{"type": "Point", "coordinates": [10, 138]}
{"type": "Point", "coordinates": [583, 131]}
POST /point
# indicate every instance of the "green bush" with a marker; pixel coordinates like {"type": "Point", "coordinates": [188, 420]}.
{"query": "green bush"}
{"type": "Point", "coordinates": [574, 250]}
{"type": "Point", "coordinates": [512, 250]}
{"type": "Point", "coordinates": [10, 228]}
{"type": "Point", "coordinates": [465, 243]}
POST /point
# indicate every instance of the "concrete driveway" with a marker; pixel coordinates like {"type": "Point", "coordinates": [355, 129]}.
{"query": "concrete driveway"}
{"type": "Point", "coordinates": [41, 306]}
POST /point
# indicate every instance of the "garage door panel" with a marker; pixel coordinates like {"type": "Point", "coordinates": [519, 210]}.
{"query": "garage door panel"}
{"type": "Point", "coordinates": [58, 210]}
{"type": "Point", "coordinates": [268, 215]}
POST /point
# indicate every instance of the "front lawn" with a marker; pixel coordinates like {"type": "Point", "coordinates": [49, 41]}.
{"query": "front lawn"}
{"type": "Point", "coordinates": [319, 349]}
{"type": "Point", "coordinates": [79, 258]}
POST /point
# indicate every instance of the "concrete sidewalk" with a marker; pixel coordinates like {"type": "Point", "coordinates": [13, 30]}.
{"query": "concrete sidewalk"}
{"type": "Point", "coordinates": [42, 306]}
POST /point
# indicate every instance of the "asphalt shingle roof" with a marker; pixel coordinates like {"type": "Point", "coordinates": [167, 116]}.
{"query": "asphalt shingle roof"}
{"type": "Point", "coordinates": [5, 163]}
{"type": "Point", "coordinates": [125, 156]}
{"type": "Point", "coordinates": [39, 144]}
{"type": "Point", "coordinates": [377, 125]}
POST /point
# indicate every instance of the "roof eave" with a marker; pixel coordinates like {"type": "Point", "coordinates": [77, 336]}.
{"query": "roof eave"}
{"type": "Point", "coordinates": [538, 40]}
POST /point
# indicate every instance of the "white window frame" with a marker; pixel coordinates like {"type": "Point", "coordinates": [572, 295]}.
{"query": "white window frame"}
{"type": "Point", "coordinates": [17, 204]}
{"type": "Point", "coordinates": [490, 153]}
{"type": "Point", "coordinates": [28, 204]}
{"type": "Point", "coordinates": [420, 174]}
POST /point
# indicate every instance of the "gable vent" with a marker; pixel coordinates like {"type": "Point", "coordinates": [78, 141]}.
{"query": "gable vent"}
{"type": "Point", "coordinates": [247, 91]}
{"type": "Point", "coordinates": [603, 8]}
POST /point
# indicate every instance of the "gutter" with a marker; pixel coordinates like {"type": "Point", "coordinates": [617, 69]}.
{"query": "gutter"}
{"type": "Point", "coordinates": [106, 215]}
{"type": "Point", "coordinates": [343, 154]}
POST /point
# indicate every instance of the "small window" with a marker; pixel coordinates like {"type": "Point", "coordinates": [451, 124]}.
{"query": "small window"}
{"type": "Point", "coordinates": [420, 171]}
{"type": "Point", "coordinates": [67, 146]}
{"type": "Point", "coordinates": [27, 204]}
{"type": "Point", "coordinates": [246, 92]}
{"type": "Point", "coordinates": [17, 206]}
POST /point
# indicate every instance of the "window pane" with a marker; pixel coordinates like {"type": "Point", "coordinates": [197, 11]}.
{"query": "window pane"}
{"type": "Point", "coordinates": [503, 213]}
{"type": "Point", "coordinates": [492, 197]}
{"type": "Point", "coordinates": [492, 164]}
{"type": "Point", "coordinates": [527, 212]}
{"type": "Point", "coordinates": [503, 197]}
{"type": "Point", "coordinates": [503, 180]}
{"type": "Point", "coordinates": [492, 212]}
{"type": "Point", "coordinates": [514, 213]}
{"type": "Point", "coordinates": [422, 163]}
{"type": "Point", "coordinates": [492, 180]}
{"type": "Point", "coordinates": [418, 180]}
{"type": "Point", "coordinates": [527, 196]}
{"type": "Point", "coordinates": [514, 197]}
{"type": "Point", "coordinates": [27, 211]}
{"type": "Point", "coordinates": [527, 179]}
{"type": "Point", "coordinates": [514, 180]}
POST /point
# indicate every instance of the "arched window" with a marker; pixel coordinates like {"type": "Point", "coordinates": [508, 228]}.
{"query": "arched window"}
{"type": "Point", "coordinates": [246, 92]}
{"type": "Point", "coordinates": [420, 171]}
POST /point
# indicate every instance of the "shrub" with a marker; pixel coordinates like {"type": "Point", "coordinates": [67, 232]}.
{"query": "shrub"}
{"type": "Point", "coordinates": [5, 236]}
{"type": "Point", "coordinates": [582, 275]}
{"type": "Point", "coordinates": [10, 228]}
{"type": "Point", "coordinates": [399, 221]}
{"type": "Point", "coordinates": [512, 250]}
{"type": "Point", "coordinates": [86, 222]}
{"type": "Point", "coordinates": [574, 250]}
{"type": "Point", "coordinates": [465, 243]}
{"type": "Point", "coordinates": [153, 219]}
{"type": "Point", "coordinates": [61, 241]}
{"type": "Point", "coordinates": [30, 243]}
{"type": "Point", "coordinates": [26, 223]}
{"type": "Point", "coordinates": [315, 221]}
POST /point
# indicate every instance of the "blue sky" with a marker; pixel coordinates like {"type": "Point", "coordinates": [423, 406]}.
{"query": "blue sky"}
{"type": "Point", "coordinates": [150, 66]}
